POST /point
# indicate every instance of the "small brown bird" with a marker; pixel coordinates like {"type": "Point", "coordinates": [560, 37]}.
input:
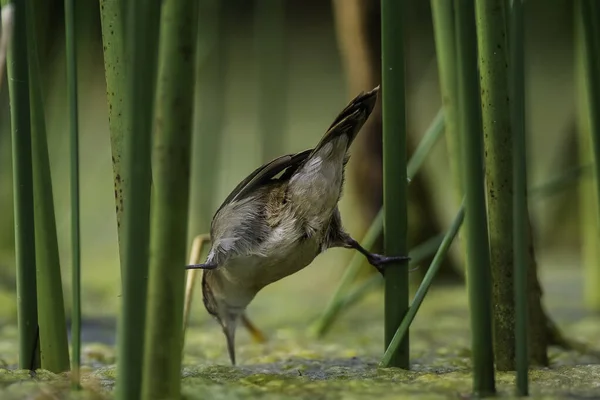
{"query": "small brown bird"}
{"type": "Point", "coordinates": [270, 227]}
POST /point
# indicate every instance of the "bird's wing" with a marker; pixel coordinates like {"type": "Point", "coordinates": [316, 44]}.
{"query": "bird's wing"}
{"type": "Point", "coordinates": [351, 119]}
{"type": "Point", "coordinates": [264, 173]}
{"type": "Point", "coordinates": [239, 226]}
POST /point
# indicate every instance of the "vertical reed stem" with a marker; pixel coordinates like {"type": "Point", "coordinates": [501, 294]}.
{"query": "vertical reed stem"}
{"type": "Point", "coordinates": [443, 27]}
{"type": "Point", "coordinates": [495, 105]}
{"type": "Point", "coordinates": [54, 346]}
{"type": "Point", "coordinates": [171, 163]}
{"type": "Point", "coordinates": [588, 211]}
{"type": "Point", "coordinates": [18, 86]}
{"type": "Point", "coordinates": [119, 120]}
{"type": "Point", "coordinates": [395, 224]}
{"type": "Point", "coordinates": [520, 210]}
{"type": "Point", "coordinates": [74, 154]}
{"type": "Point", "coordinates": [478, 263]}
{"type": "Point", "coordinates": [143, 17]}
{"type": "Point", "coordinates": [590, 19]}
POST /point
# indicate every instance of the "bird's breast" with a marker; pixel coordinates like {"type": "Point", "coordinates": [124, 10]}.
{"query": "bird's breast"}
{"type": "Point", "coordinates": [283, 259]}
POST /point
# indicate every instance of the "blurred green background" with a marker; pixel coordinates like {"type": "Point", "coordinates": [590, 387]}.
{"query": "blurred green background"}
{"type": "Point", "coordinates": [316, 86]}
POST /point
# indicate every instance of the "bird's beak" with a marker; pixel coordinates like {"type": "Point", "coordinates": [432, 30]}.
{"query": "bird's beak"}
{"type": "Point", "coordinates": [229, 331]}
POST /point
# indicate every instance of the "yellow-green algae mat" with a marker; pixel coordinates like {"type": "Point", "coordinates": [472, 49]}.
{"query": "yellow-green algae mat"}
{"type": "Point", "coordinates": [343, 365]}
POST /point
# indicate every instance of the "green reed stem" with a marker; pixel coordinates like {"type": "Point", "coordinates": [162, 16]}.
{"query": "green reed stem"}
{"type": "Point", "coordinates": [18, 86]}
{"type": "Point", "coordinates": [498, 148]}
{"type": "Point", "coordinates": [141, 44]}
{"type": "Point", "coordinates": [74, 154]}
{"type": "Point", "coordinates": [588, 210]}
{"type": "Point", "coordinates": [395, 224]}
{"type": "Point", "coordinates": [171, 164]}
{"type": "Point", "coordinates": [402, 330]}
{"type": "Point", "coordinates": [119, 120]}
{"type": "Point", "coordinates": [442, 12]}
{"type": "Point", "coordinates": [478, 261]}
{"type": "Point", "coordinates": [54, 346]}
{"type": "Point", "coordinates": [520, 210]}
{"type": "Point", "coordinates": [591, 30]}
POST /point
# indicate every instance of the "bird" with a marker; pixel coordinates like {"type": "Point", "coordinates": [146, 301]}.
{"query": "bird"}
{"type": "Point", "coordinates": [279, 219]}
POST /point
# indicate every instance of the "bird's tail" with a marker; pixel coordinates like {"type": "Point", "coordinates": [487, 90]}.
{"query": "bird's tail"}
{"type": "Point", "coordinates": [351, 119]}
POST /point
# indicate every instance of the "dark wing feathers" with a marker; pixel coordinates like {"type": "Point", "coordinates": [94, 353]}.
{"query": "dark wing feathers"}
{"type": "Point", "coordinates": [348, 122]}
{"type": "Point", "coordinates": [361, 101]}
{"type": "Point", "coordinates": [265, 173]}
{"type": "Point", "coordinates": [351, 119]}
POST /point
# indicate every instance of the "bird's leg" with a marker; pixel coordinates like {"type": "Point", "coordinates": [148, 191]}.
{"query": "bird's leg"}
{"type": "Point", "coordinates": [256, 333]}
{"type": "Point", "coordinates": [195, 253]}
{"type": "Point", "coordinates": [379, 261]}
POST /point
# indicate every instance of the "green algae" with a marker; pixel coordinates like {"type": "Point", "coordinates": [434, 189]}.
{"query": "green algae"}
{"type": "Point", "coordinates": [342, 365]}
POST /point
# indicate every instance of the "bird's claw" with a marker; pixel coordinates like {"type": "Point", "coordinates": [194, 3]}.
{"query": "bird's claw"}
{"type": "Point", "coordinates": [380, 261]}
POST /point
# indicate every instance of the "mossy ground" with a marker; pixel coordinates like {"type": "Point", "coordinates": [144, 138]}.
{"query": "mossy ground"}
{"type": "Point", "coordinates": [343, 364]}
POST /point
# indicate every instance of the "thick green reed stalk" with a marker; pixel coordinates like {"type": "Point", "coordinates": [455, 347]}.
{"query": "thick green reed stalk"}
{"type": "Point", "coordinates": [143, 17]}
{"type": "Point", "coordinates": [590, 17]}
{"type": "Point", "coordinates": [171, 166]}
{"type": "Point", "coordinates": [591, 29]}
{"type": "Point", "coordinates": [119, 120]}
{"type": "Point", "coordinates": [54, 345]}
{"type": "Point", "coordinates": [18, 86]}
{"type": "Point", "coordinates": [478, 262]}
{"type": "Point", "coordinates": [590, 251]}
{"type": "Point", "coordinates": [498, 145]}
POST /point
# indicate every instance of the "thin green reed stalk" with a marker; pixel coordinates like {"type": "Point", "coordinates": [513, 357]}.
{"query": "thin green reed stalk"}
{"type": "Point", "coordinates": [591, 30]}
{"type": "Point", "coordinates": [493, 69]}
{"type": "Point", "coordinates": [430, 138]}
{"type": "Point", "coordinates": [18, 86]}
{"type": "Point", "coordinates": [430, 246]}
{"type": "Point", "coordinates": [54, 346]}
{"type": "Point", "coordinates": [271, 65]}
{"type": "Point", "coordinates": [143, 17]}
{"type": "Point", "coordinates": [345, 301]}
{"type": "Point", "coordinates": [424, 287]}
{"type": "Point", "coordinates": [171, 163]}
{"type": "Point", "coordinates": [569, 177]}
{"type": "Point", "coordinates": [478, 263]}
{"type": "Point", "coordinates": [588, 211]}
{"type": "Point", "coordinates": [520, 211]}
{"type": "Point", "coordinates": [74, 153]}
{"type": "Point", "coordinates": [119, 120]}
{"type": "Point", "coordinates": [395, 224]}
{"type": "Point", "coordinates": [443, 27]}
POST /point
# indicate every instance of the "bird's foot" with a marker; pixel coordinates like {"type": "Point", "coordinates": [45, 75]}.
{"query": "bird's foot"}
{"type": "Point", "coordinates": [202, 266]}
{"type": "Point", "coordinates": [380, 261]}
